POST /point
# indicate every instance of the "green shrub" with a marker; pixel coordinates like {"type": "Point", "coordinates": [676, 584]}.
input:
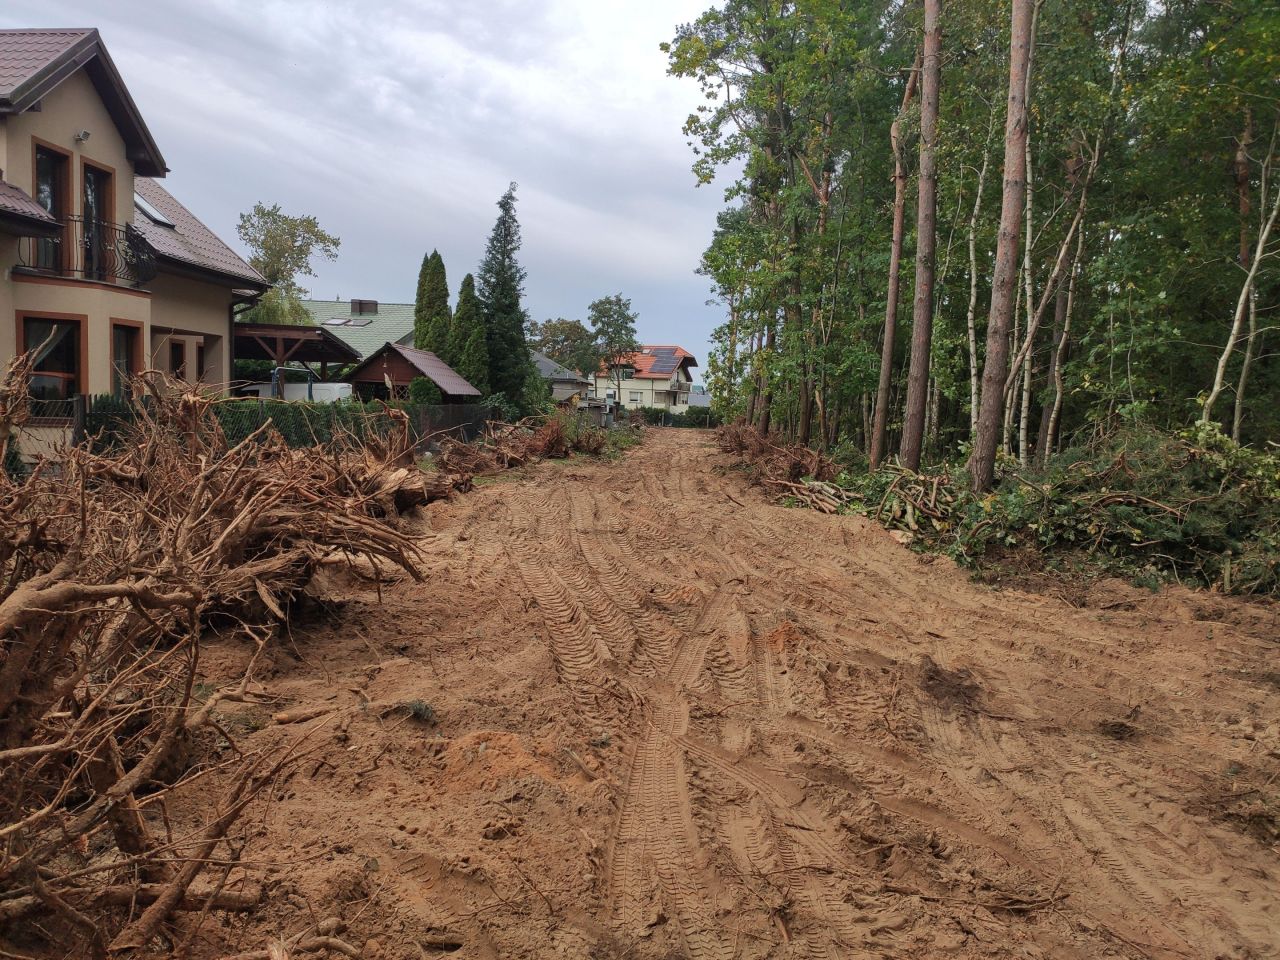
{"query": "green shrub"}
{"type": "Point", "coordinates": [689, 417]}
{"type": "Point", "coordinates": [424, 391]}
{"type": "Point", "coordinates": [1191, 506]}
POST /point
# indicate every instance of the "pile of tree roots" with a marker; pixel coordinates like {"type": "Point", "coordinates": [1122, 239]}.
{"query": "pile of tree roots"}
{"type": "Point", "coordinates": [778, 466]}
{"type": "Point", "coordinates": [114, 566]}
{"type": "Point", "coordinates": [504, 446]}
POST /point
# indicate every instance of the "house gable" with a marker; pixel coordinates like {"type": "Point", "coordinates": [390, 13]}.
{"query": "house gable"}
{"type": "Point", "coordinates": [34, 64]}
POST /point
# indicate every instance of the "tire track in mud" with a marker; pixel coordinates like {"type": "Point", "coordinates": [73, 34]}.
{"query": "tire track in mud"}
{"type": "Point", "coordinates": [599, 562]}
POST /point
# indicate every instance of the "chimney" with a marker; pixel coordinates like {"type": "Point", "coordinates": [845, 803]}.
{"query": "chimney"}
{"type": "Point", "coordinates": [364, 306]}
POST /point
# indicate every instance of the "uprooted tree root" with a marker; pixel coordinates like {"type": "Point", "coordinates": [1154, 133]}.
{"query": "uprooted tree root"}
{"type": "Point", "coordinates": [504, 446]}
{"type": "Point", "coordinates": [113, 565]}
{"type": "Point", "coordinates": [779, 466]}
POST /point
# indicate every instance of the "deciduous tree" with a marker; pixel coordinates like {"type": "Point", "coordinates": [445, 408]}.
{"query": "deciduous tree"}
{"type": "Point", "coordinates": [281, 248]}
{"type": "Point", "coordinates": [614, 324]}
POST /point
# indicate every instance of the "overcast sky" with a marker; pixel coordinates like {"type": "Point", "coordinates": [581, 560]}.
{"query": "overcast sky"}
{"type": "Point", "coordinates": [399, 123]}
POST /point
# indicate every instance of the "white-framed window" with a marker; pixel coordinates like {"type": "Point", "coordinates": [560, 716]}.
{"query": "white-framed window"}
{"type": "Point", "coordinates": [635, 396]}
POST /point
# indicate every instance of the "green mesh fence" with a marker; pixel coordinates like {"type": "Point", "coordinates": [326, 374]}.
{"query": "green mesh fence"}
{"type": "Point", "coordinates": [306, 424]}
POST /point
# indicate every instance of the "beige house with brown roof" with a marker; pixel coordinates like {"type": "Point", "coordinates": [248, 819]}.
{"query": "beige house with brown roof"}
{"type": "Point", "coordinates": [656, 376]}
{"type": "Point", "coordinates": [101, 268]}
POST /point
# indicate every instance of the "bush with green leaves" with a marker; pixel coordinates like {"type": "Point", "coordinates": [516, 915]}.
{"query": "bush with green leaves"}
{"type": "Point", "coordinates": [424, 391]}
{"type": "Point", "coordinates": [690, 417]}
{"type": "Point", "coordinates": [1192, 506]}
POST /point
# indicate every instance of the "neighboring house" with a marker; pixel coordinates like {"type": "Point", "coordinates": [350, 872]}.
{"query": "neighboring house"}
{"type": "Point", "coordinates": [656, 376]}
{"type": "Point", "coordinates": [364, 325]}
{"type": "Point", "coordinates": [565, 383]}
{"type": "Point", "coordinates": [101, 269]}
{"type": "Point", "coordinates": [387, 372]}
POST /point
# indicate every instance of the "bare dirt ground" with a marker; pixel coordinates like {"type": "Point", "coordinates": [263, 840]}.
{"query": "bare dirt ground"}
{"type": "Point", "coordinates": [672, 720]}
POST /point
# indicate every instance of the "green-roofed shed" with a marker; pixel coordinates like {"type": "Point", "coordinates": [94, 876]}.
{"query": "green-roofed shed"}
{"type": "Point", "coordinates": [364, 325]}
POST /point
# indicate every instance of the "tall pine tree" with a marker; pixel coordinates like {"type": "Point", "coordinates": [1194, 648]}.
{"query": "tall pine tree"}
{"type": "Point", "coordinates": [468, 343]}
{"type": "Point", "coordinates": [431, 315]}
{"type": "Point", "coordinates": [499, 287]}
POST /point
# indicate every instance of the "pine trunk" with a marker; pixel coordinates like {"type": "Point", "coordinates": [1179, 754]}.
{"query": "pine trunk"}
{"type": "Point", "coordinates": [1004, 278]}
{"type": "Point", "coordinates": [926, 241]}
{"type": "Point", "coordinates": [881, 419]}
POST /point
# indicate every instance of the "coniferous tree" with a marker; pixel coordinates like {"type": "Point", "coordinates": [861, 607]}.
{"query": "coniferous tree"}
{"type": "Point", "coordinates": [499, 287]}
{"type": "Point", "coordinates": [468, 342]}
{"type": "Point", "coordinates": [431, 315]}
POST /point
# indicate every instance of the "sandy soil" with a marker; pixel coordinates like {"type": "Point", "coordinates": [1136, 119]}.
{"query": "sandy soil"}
{"type": "Point", "coordinates": [672, 720]}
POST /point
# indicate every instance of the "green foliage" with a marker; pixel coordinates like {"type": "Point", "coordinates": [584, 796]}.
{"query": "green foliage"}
{"type": "Point", "coordinates": [503, 407]}
{"type": "Point", "coordinates": [1193, 506]}
{"type": "Point", "coordinates": [614, 324]}
{"type": "Point", "coordinates": [585, 437]}
{"type": "Point", "coordinates": [469, 345]}
{"type": "Point", "coordinates": [799, 100]}
{"type": "Point", "coordinates": [499, 290]}
{"type": "Point", "coordinates": [281, 248]}
{"type": "Point", "coordinates": [424, 391]}
{"type": "Point", "coordinates": [567, 342]}
{"type": "Point", "coordinates": [701, 417]}
{"type": "Point", "coordinates": [432, 318]}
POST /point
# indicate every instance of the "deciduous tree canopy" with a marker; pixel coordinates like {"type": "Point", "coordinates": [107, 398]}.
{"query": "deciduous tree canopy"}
{"type": "Point", "coordinates": [1136, 277]}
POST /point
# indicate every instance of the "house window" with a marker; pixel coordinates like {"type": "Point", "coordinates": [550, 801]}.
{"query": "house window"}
{"type": "Point", "coordinates": [124, 355]}
{"type": "Point", "coordinates": [51, 187]}
{"type": "Point", "coordinates": [178, 359]}
{"type": "Point", "coordinates": [200, 369]}
{"type": "Point", "coordinates": [635, 396]}
{"type": "Point", "coordinates": [55, 375]}
{"type": "Point", "coordinates": [611, 394]}
{"type": "Point", "coordinates": [96, 215]}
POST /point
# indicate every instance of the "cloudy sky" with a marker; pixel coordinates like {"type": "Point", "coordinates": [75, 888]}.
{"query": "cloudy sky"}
{"type": "Point", "coordinates": [399, 123]}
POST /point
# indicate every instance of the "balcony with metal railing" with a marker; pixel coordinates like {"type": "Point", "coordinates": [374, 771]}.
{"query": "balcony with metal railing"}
{"type": "Point", "coordinates": [89, 249]}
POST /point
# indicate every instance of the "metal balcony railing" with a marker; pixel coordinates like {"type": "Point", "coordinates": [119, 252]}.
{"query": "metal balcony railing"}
{"type": "Point", "coordinates": [90, 249]}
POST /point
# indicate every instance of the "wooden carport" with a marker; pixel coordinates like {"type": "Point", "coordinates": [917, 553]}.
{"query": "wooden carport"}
{"type": "Point", "coordinates": [283, 343]}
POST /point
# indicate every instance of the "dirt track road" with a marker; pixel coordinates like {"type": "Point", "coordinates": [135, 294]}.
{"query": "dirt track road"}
{"type": "Point", "coordinates": [676, 721]}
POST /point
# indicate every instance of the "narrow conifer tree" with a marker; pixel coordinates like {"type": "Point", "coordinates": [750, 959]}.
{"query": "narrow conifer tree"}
{"type": "Point", "coordinates": [431, 314]}
{"type": "Point", "coordinates": [499, 287]}
{"type": "Point", "coordinates": [468, 342]}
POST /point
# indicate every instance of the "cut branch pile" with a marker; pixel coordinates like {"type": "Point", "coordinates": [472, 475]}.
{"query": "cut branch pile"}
{"type": "Point", "coordinates": [778, 466]}
{"type": "Point", "coordinates": [1194, 506]}
{"type": "Point", "coordinates": [112, 566]}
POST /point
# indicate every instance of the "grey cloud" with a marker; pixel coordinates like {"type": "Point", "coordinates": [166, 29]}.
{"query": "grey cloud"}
{"type": "Point", "coordinates": [398, 124]}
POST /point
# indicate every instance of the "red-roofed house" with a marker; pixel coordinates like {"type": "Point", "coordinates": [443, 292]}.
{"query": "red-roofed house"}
{"type": "Point", "coordinates": [657, 376]}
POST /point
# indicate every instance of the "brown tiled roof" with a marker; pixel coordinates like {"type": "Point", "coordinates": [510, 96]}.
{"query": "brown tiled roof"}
{"type": "Point", "coordinates": [430, 366]}
{"type": "Point", "coordinates": [437, 371]}
{"type": "Point", "coordinates": [35, 62]}
{"type": "Point", "coordinates": [188, 242]}
{"type": "Point", "coordinates": [658, 361]}
{"type": "Point", "coordinates": [25, 53]}
{"type": "Point", "coordinates": [17, 202]}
